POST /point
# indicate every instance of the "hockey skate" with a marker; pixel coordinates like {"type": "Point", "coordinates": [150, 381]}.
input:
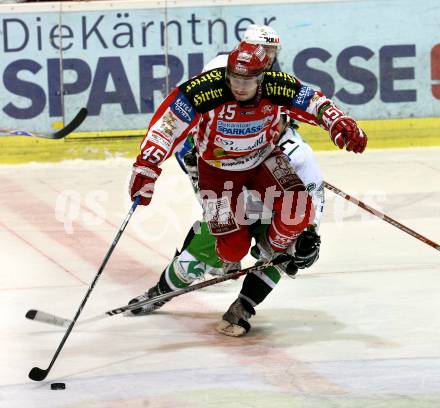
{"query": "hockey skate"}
{"type": "Point", "coordinates": [235, 321]}
{"type": "Point", "coordinates": [149, 294]}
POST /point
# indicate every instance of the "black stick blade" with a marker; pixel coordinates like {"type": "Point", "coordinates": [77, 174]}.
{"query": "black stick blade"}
{"type": "Point", "coordinates": [37, 374]}
{"type": "Point", "coordinates": [30, 314]}
{"type": "Point", "coordinates": [72, 125]}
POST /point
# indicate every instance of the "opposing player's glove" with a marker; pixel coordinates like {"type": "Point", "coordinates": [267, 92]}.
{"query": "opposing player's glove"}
{"type": "Point", "coordinates": [307, 248]}
{"type": "Point", "coordinates": [190, 160]}
{"type": "Point", "coordinates": [142, 180]}
{"type": "Point", "coordinates": [290, 268]}
{"type": "Point", "coordinates": [344, 130]}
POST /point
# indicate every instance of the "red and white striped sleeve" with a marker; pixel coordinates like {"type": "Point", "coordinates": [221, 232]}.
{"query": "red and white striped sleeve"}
{"type": "Point", "coordinates": [169, 127]}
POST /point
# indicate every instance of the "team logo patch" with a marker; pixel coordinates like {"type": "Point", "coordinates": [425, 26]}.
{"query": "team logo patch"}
{"type": "Point", "coordinates": [242, 128]}
{"type": "Point", "coordinates": [160, 140]}
{"type": "Point", "coordinates": [244, 56]}
{"type": "Point", "coordinates": [168, 125]}
{"type": "Point", "coordinates": [218, 151]}
{"type": "Point", "coordinates": [218, 213]}
{"type": "Point", "coordinates": [302, 99]}
{"type": "Point", "coordinates": [240, 69]}
{"type": "Point", "coordinates": [267, 109]}
{"type": "Point", "coordinates": [283, 173]}
{"type": "Point", "coordinates": [183, 108]}
{"type": "Point", "coordinates": [214, 163]}
{"type": "Point", "coordinates": [206, 96]}
{"type": "Point", "coordinates": [241, 144]}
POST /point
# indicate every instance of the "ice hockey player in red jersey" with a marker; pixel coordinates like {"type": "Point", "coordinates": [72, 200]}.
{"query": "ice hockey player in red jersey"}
{"type": "Point", "coordinates": [235, 114]}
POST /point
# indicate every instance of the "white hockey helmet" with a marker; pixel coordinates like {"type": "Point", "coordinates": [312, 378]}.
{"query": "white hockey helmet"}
{"type": "Point", "coordinates": [263, 35]}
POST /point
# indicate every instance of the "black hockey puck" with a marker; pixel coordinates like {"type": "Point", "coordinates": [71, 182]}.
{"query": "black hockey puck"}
{"type": "Point", "coordinates": [57, 386]}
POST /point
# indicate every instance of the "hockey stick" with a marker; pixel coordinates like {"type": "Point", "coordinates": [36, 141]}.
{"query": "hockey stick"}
{"type": "Point", "coordinates": [44, 317]}
{"type": "Point", "coordinates": [40, 316]}
{"type": "Point", "coordinates": [382, 216]}
{"type": "Point", "coordinates": [37, 374]}
{"type": "Point", "coordinates": [59, 134]}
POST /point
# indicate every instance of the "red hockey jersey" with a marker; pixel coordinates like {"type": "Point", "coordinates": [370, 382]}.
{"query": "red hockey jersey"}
{"type": "Point", "coordinates": [228, 134]}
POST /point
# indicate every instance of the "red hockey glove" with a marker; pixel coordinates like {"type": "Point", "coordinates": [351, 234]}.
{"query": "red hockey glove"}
{"type": "Point", "coordinates": [344, 130]}
{"type": "Point", "coordinates": [142, 181]}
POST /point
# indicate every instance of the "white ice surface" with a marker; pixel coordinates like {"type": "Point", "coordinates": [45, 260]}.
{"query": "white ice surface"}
{"type": "Point", "coordinates": [359, 329]}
